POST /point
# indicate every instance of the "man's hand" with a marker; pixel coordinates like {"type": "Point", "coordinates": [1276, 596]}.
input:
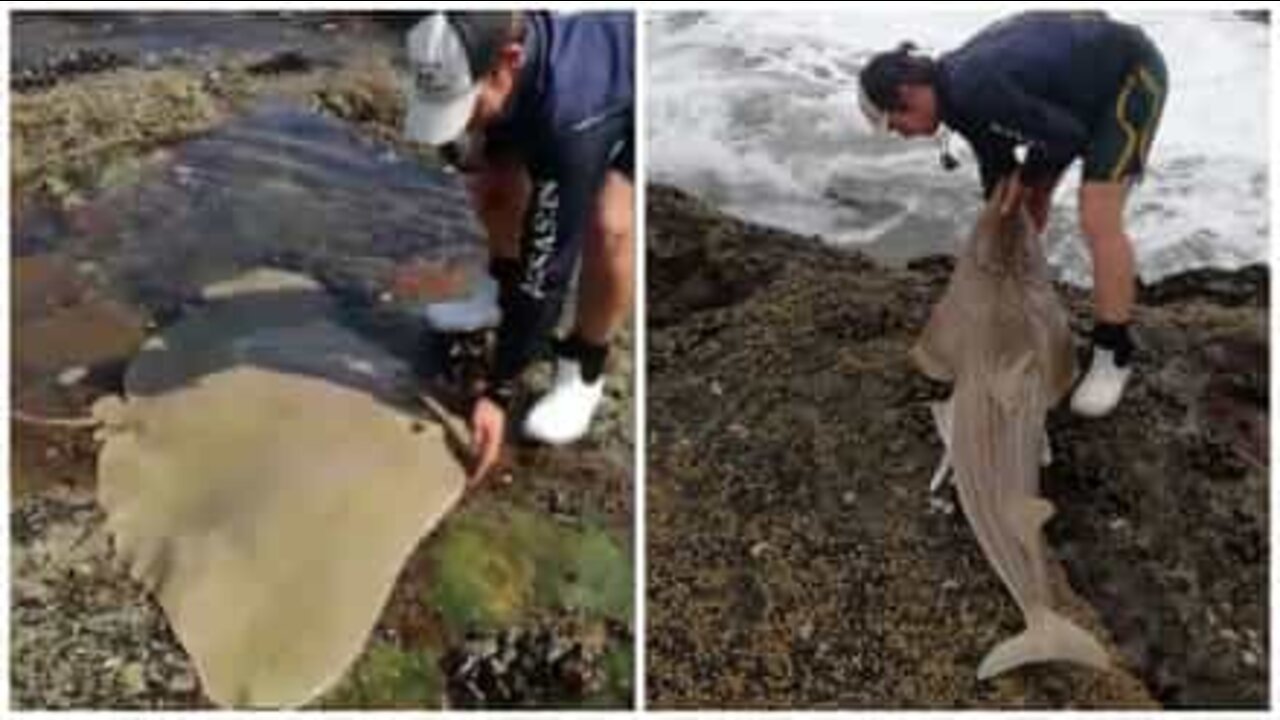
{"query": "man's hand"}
{"type": "Point", "coordinates": [1011, 192]}
{"type": "Point", "coordinates": [1038, 200]}
{"type": "Point", "coordinates": [488, 425]}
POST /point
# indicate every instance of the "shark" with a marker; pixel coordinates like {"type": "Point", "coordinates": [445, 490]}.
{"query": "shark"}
{"type": "Point", "coordinates": [1001, 336]}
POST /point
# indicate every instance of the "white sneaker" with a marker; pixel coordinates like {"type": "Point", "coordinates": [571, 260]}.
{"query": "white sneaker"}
{"type": "Point", "coordinates": [563, 415]}
{"type": "Point", "coordinates": [1099, 392]}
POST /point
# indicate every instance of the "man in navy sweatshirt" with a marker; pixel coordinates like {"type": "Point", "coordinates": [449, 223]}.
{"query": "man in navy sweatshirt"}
{"type": "Point", "coordinates": [1049, 87]}
{"type": "Point", "coordinates": [538, 110]}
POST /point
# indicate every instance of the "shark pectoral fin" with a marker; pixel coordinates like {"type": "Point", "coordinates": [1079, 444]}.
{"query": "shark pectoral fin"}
{"type": "Point", "coordinates": [1049, 637]}
{"type": "Point", "coordinates": [1029, 516]}
{"type": "Point", "coordinates": [1007, 384]}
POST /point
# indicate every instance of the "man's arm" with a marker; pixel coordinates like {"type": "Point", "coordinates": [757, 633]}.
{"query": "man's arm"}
{"type": "Point", "coordinates": [1054, 137]}
{"type": "Point", "coordinates": [995, 159]}
{"type": "Point", "coordinates": [565, 186]}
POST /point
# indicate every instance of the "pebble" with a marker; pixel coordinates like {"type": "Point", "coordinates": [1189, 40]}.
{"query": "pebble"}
{"type": "Point", "coordinates": [941, 505]}
{"type": "Point", "coordinates": [1249, 658]}
{"type": "Point", "coordinates": [132, 677]}
{"type": "Point", "coordinates": [759, 549]}
{"type": "Point", "coordinates": [183, 682]}
{"type": "Point", "coordinates": [848, 498]}
{"type": "Point", "coordinates": [72, 375]}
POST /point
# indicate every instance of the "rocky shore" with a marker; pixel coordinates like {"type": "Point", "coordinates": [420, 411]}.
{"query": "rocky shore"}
{"type": "Point", "coordinates": [796, 557]}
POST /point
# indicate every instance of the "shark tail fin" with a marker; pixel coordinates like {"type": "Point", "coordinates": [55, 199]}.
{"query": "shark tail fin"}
{"type": "Point", "coordinates": [1049, 637]}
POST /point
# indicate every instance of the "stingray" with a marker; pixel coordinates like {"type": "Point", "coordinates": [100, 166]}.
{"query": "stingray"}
{"type": "Point", "coordinates": [1001, 336]}
{"type": "Point", "coordinates": [261, 479]}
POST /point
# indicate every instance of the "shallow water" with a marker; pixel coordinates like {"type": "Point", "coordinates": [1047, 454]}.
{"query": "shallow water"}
{"type": "Point", "coordinates": [279, 186]}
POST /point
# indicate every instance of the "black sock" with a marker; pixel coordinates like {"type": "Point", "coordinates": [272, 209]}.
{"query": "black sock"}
{"type": "Point", "coordinates": [589, 355]}
{"type": "Point", "coordinates": [506, 271]}
{"type": "Point", "coordinates": [1114, 337]}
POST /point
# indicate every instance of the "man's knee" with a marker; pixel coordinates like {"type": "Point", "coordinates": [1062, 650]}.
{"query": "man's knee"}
{"type": "Point", "coordinates": [614, 224]}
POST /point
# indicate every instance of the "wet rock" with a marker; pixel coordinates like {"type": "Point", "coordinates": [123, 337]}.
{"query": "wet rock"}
{"type": "Point", "coordinates": [72, 375]}
{"type": "Point", "coordinates": [550, 663]}
{"type": "Point", "coordinates": [93, 640]}
{"type": "Point", "coordinates": [285, 61]}
{"type": "Point", "coordinates": [65, 66]}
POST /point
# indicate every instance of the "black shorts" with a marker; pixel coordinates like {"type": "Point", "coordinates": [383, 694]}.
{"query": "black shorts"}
{"type": "Point", "coordinates": [1122, 138]}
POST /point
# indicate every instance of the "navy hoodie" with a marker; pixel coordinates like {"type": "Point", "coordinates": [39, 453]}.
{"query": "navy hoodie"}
{"type": "Point", "coordinates": [573, 109]}
{"type": "Point", "coordinates": [1040, 79]}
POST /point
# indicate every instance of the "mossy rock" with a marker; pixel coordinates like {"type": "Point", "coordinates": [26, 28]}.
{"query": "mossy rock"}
{"type": "Point", "coordinates": [386, 676]}
{"type": "Point", "coordinates": [619, 665]}
{"type": "Point", "coordinates": [495, 565]}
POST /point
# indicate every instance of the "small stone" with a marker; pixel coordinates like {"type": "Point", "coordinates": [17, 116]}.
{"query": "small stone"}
{"type": "Point", "coordinates": [133, 678]}
{"type": "Point", "coordinates": [716, 389]}
{"type": "Point", "coordinates": [950, 584]}
{"type": "Point", "coordinates": [759, 549]}
{"type": "Point", "coordinates": [1228, 635]}
{"type": "Point", "coordinates": [482, 648]}
{"type": "Point", "coordinates": [72, 375]}
{"type": "Point", "coordinates": [1249, 658]}
{"type": "Point", "coordinates": [848, 498]}
{"type": "Point", "coordinates": [183, 682]}
{"type": "Point", "coordinates": [941, 505]}
{"type": "Point", "coordinates": [805, 633]}
{"type": "Point", "coordinates": [51, 453]}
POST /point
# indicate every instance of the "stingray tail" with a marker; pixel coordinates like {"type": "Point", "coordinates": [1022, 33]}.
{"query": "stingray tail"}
{"type": "Point", "coordinates": [1049, 637]}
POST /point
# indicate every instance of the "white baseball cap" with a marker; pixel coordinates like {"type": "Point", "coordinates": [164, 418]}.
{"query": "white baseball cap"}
{"type": "Point", "coordinates": [448, 53]}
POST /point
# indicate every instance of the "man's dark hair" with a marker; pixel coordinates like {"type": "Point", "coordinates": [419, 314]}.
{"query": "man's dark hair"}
{"type": "Point", "coordinates": [881, 77]}
{"type": "Point", "coordinates": [483, 33]}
